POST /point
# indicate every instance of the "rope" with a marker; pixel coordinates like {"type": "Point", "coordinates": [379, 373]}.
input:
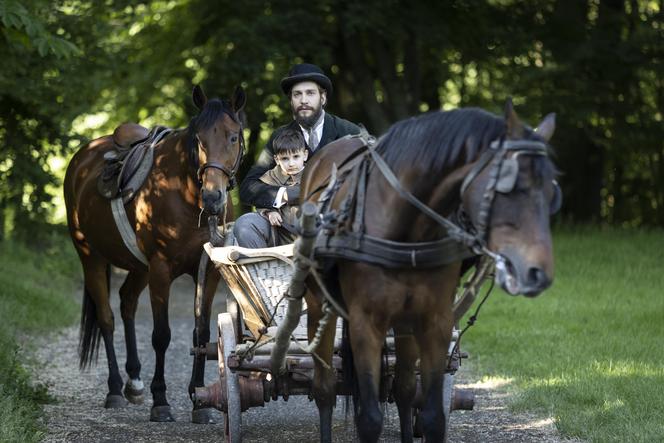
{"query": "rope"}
{"type": "Point", "coordinates": [249, 352]}
{"type": "Point", "coordinates": [471, 321]}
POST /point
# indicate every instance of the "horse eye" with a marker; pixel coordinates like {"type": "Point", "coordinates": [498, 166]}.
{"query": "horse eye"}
{"type": "Point", "coordinates": [234, 138]}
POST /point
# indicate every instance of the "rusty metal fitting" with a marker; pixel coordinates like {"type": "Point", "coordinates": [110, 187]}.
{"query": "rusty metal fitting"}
{"type": "Point", "coordinates": [210, 396]}
{"type": "Point", "coordinates": [209, 350]}
{"type": "Point", "coordinates": [251, 391]}
{"type": "Point", "coordinates": [463, 399]}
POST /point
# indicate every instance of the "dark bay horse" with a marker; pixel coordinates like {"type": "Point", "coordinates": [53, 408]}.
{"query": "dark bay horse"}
{"type": "Point", "coordinates": [489, 174]}
{"type": "Point", "coordinates": [191, 172]}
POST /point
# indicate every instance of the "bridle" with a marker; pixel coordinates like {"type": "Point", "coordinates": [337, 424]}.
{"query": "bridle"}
{"type": "Point", "coordinates": [502, 176]}
{"type": "Point", "coordinates": [230, 172]}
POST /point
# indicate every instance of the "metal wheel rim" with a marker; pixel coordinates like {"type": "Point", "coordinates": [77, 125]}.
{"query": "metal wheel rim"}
{"type": "Point", "coordinates": [226, 345]}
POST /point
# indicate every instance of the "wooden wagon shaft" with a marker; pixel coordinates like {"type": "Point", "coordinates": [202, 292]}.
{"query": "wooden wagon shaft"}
{"type": "Point", "coordinates": [304, 245]}
{"type": "Point", "coordinates": [472, 287]}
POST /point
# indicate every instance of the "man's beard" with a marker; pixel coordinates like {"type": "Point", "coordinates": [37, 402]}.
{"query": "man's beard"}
{"type": "Point", "coordinates": [308, 122]}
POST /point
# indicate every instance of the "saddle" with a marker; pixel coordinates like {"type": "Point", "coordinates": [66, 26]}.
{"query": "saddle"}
{"type": "Point", "coordinates": [127, 166]}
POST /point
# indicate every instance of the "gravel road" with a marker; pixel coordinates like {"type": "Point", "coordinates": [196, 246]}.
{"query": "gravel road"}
{"type": "Point", "coordinates": [79, 416]}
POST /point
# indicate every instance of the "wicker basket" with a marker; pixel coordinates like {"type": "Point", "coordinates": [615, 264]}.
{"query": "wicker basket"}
{"type": "Point", "coordinates": [272, 278]}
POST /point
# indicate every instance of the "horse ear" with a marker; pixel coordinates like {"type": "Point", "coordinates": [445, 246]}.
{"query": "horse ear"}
{"type": "Point", "coordinates": [546, 127]}
{"type": "Point", "coordinates": [199, 97]}
{"type": "Point", "coordinates": [514, 125]}
{"type": "Point", "coordinates": [239, 99]}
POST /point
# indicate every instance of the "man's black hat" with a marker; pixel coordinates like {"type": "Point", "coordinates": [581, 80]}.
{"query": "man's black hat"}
{"type": "Point", "coordinates": [306, 72]}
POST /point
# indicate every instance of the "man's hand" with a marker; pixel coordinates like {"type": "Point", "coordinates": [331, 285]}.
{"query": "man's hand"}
{"type": "Point", "coordinates": [275, 218]}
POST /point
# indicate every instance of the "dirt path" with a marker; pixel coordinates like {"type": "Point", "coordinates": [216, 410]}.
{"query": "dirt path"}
{"type": "Point", "coordinates": [78, 416]}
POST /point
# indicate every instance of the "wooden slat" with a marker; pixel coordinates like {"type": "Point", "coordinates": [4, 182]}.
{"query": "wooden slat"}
{"type": "Point", "coordinates": [251, 318]}
{"type": "Point", "coordinates": [236, 255]}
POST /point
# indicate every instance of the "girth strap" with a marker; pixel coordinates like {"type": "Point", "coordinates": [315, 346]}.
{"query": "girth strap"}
{"type": "Point", "coordinates": [126, 232]}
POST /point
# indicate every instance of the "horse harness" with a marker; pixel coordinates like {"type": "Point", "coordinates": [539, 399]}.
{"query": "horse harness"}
{"type": "Point", "coordinates": [230, 173]}
{"type": "Point", "coordinates": [125, 171]}
{"type": "Point", "coordinates": [342, 233]}
{"type": "Point", "coordinates": [128, 168]}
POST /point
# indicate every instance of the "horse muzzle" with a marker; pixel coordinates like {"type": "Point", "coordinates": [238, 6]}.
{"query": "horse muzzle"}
{"type": "Point", "coordinates": [214, 201]}
{"type": "Point", "coordinates": [517, 277]}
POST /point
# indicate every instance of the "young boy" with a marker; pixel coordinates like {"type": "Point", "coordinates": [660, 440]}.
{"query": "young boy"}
{"type": "Point", "coordinates": [290, 154]}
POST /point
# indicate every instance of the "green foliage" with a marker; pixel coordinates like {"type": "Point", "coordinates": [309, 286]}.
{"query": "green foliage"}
{"type": "Point", "coordinates": [25, 28]}
{"type": "Point", "coordinates": [19, 399]}
{"type": "Point", "coordinates": [588, 350]}
{"type": "Point", "coordinates": [598, 65]}
{"type": "Point", "coordinates": [36, 289]}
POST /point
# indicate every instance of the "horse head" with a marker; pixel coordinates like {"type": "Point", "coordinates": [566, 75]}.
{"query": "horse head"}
{"type": "Point", "coordinates": [509, 197]}
{"type": "Point", "coordinates": [217, 134]}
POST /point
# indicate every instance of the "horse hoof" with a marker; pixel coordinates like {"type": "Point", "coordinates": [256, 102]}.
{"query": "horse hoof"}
{"type": "Point", "coordinates": [114, 401]}
{"type": "Point", "coordinates": [161, 414]}
{"type": "Point", "coordinates": [204, 416]}
{"type": "Point", "coordinates": [133, 394]}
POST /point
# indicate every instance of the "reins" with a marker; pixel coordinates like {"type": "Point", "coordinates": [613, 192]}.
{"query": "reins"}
{"type": "Point", "coordinates": [359, 246]}
{"type": "Point", "coordinates": [454, 230]}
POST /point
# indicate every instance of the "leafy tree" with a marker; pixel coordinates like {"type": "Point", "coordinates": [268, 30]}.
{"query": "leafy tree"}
{"type": "Point", "coordinates": [597, 63]}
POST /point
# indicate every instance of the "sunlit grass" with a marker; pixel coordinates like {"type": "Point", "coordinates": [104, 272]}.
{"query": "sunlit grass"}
{"type": "Point", "coordinates": [588, 351]}
{"type": "Point", "coordinates": [36, 296]}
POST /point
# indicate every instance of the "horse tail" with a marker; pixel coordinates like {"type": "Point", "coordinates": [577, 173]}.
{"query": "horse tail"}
{"type": "Point", "coordinates": [89, 334]}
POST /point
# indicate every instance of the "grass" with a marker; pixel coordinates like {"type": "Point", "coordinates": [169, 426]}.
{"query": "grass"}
{"type": "Point", "coordinates": [36, 288]}
{"type": "Point", "coordinates": [589, 351]}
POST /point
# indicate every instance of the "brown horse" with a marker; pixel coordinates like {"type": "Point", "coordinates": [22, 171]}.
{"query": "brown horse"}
{"type": "Point", "coordinates": [192, 171]}
{"type": "Point", "coordinates": [491, 176]}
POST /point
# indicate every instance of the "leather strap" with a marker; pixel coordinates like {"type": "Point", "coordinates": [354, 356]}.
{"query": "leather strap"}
{"type": "Point", "coordinates": [453, 230]}
{"type": "Point", "coordinates": [390, 254]}
{"type": "Point", "coordinates": [126, 232]}
{"type": "Point", "coordinates": [230, 173]}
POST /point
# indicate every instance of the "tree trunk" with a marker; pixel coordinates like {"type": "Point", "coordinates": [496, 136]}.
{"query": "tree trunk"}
{"type": "Point", "coordinates": [364, 80]}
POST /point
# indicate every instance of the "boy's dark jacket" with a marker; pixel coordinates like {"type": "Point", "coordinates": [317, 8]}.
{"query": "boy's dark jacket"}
{"type": "Point", "coordinates": [261, 195]}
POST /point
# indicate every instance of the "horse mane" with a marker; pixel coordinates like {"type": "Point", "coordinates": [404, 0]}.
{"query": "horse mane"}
{"type": "Point", "coordinates": [439, 140]}
{"type": "Point", "coordinates": [213, 110]}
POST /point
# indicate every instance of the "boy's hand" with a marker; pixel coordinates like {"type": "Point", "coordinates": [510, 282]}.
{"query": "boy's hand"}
{"type": "Point", "coordinates": [275, 218]}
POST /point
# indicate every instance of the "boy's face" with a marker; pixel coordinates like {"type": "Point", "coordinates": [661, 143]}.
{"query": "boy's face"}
{"type": "Point", "coordinates": [291, 162]}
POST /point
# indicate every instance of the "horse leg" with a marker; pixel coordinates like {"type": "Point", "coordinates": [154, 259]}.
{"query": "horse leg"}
{"type": "Point", "coordinates": [325, 381]}
{"type": "Point", "coordinates": [159, 282]}
{"type": "Point", "coordinates": [405, 383]}
{"type": "Point", "coordinates": [433, 338]}
{"type": "Point", "coordinates": [366, 340]}
{"type": "Point", "coordinates": [201, 338]}
{"type": "Point", "coordinates": [130, 290]}
{"type": "Point", "coordinates": [98, 316]}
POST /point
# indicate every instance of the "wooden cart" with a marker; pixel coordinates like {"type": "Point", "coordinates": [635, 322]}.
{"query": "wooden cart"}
{"type": "Point", "coordinates": [258, 280]}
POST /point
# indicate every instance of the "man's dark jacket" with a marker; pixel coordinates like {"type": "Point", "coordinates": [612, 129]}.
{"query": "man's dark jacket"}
{"type": "Point", "coordinates": [256, 193]}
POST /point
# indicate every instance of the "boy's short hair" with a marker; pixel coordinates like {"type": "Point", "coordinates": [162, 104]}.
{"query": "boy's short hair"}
{"type": "Point", "coordinates": [288, 140]}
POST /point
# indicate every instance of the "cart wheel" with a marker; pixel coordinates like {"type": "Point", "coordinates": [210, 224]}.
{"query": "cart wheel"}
{"type": "Point", "coordinates": [233, 308]}
{"type": "Point", "coordinates": [226, 345]}
{"type": "Point", "coordinates": [448, 388]}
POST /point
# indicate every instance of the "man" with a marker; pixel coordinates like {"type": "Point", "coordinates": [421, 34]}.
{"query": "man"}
{"type": "Point", "coordinates": [307, 88]}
